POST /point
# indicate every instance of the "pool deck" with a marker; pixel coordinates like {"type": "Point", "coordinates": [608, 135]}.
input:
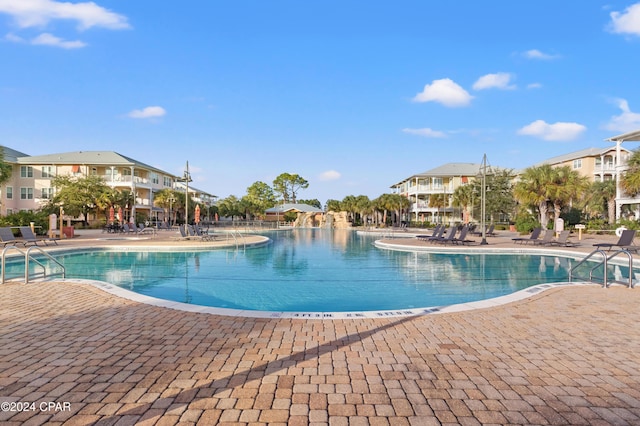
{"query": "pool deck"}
{"type": "Point", "coordinates": [563, 356]}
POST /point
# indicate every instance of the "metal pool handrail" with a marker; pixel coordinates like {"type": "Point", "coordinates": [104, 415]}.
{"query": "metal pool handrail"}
{"type": "Point", "coordinates": [604, 262]}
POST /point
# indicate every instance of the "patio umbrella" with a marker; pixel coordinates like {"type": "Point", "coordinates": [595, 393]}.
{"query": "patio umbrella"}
{"type": "Point", "coordinates": [120, 217]}
{"type": "Point", "coordinates": [112, 215]}
{"type": "Point", "coordinates": [197, 218]}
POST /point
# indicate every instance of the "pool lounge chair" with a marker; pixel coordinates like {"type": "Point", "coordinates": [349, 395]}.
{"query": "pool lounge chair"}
{"type": "Point", "coordinates": [546, 239]}
{"type": "Point", "coordinates": [462, 238]}
{"type": "Point", "coordinates": [451, 234]}
{"type": "Point", "coordinates": [435, 232]}
{"type": "Point", "coordinates": [30, 238]}
{"type": "Point", "coordinates": [141, 229]}
{"type": "Point", "coordinates": [625, 241]}
{"type": "Point", "coordinates": [563, 240]}
{"type": "Point", "coordinates": [535, 234]}
{"type": "Point", "coordinates": [7, 237]}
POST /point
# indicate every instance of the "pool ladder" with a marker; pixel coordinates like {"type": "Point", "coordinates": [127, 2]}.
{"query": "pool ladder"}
{"type": "Point", "coordinates": [604, 263]}
{"type": "Point", "coordinates": [27, 258]}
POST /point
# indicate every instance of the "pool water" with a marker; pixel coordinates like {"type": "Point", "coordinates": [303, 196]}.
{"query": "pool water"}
{"type": "Point", "coordinates": [312, 270]}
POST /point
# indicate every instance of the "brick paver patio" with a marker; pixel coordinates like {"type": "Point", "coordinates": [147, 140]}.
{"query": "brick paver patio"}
{"type": "Point", "coordinates": [565, 356]}
{"type": "Point", "coordinates": [73, 354]}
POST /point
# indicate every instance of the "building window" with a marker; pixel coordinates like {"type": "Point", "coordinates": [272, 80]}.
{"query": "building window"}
{"type": "Point", "coordinates": [577, 164]}
{"type": "Point", "coordinates": [47, 193]}
{"type": "Point", "coordinates": [126, 172]}
{"type": "Point", "coordinates": [9, 193]}
{"type": "Point", "coordinates": [154, 178]}
{"type": "Point", "coordinates": [75, 169]}
{"type": "Point", "coordinates": [437, 183]}
{"type": "Point", "coordinates": [26, 171]}
{"type": "Point", "coordinates": [26, 193]}
{"type": "Point", "coordinates": [47, 172]}
{"type": "Point", "coordinates": [167, 181]}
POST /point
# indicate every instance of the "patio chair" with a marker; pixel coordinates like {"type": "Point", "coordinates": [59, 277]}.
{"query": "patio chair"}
{"type": "Point", "coordinates": [128, 229]}
{"type": "Point", "coordinates": [436, 235]}
{"type": "Point", "coordinates": [462, 238]}
{"type": "Point", "coordinates": [141, 229]}
{"type": "Point", "coordinates": [435, 232]}
{"type": "Point", "coordinates": [7, 237]}
{"type": "Point", "coordinates": [562, 240]}
{"type": "Point", "coordinates": [30, 238]}
{"type": "Point", "coordinates": [451, 234]}
{"type": "Point", "coordinates": [625, 240]}
{"type": "Point", "coordinates": [535, 234]}
{"type": "Point", "coordinates": [546, 239]}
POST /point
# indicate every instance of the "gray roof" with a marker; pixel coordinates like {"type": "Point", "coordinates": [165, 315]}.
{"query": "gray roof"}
{"type": "Point", "coordinates": [107, 158]}
{"type": "Point", "coordinates": [589, 152]}
{"type": "Point", "coordinates": [454, 169]}
{"type": "Point", "coordinates": [287, 207]}
{"type": "Point", "coordinates": [629, 136]}
{"type": "Point", "coordinates": [446, 170]}
{"type": "Point", "coordinates": [11, 155]}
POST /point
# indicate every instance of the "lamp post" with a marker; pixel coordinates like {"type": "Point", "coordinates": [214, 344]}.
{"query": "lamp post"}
{"type": "Point", "coordinates": [483, 208]}
{"type": "Point", "coordinates": [171, 201]}
{"type": "Point", "coordinates": [186, 178]}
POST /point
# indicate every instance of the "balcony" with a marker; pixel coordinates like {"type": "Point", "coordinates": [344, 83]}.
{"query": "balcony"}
{"type": "Point", "coordinates": [430, 189]}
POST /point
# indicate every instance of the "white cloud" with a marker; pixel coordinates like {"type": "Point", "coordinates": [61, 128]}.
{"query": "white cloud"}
{"type": "Point", "coordinates": [500, 80]}
{"type": "Point", "coordinates": [536, 54]}
{"type": "Point", "coordinates": [14, 38]}
{"type": "Point", "coordinates": [329, 175]}
{"type": "Point", "coordinates": [148, 112]}
{"type": "Point", "coordinates": [51, 40]}
{"type": "Point", "coordinates": [553, 132]}
{"type": "Point", "coordinates": [426, 132]}
{"type": "Point", "coordinates": [625, 122]}
{"type": "Point", "coordinates": [446, 92]}
{"type": "Point", "coordinates": [38, 13]}
{"type": "Point", "coordinates": [627, 22]}
{"type": "Point", "coordinates": [534, 86]}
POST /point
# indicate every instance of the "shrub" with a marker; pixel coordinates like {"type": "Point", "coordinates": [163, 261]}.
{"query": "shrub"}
{"type": "Point", "coordinates": [525, 223]}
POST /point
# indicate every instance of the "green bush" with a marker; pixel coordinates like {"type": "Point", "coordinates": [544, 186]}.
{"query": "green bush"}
{"type": "Point", "coordinates": [525, 223]}
{"type": "Point", "coordinates": [24, 218]}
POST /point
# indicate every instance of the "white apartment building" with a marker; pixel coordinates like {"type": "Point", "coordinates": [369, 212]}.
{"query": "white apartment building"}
{"type": "Point", "coordinates": [30, 185]}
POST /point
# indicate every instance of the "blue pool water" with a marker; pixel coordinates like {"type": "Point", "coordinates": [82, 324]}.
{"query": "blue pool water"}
{"type": "Point", "coordinates": [317, 271]}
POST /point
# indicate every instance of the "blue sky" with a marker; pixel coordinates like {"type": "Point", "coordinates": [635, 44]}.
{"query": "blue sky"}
{"type": "Point", "coordinates": [353, 96]}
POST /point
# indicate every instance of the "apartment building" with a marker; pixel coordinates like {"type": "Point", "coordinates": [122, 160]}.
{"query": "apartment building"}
{"type": "Point", "coordinates": [30, 186]}
{"type": "Point", "coordinates": [439, 183]}
{"type": "Point", "coordinates": [597, 164]}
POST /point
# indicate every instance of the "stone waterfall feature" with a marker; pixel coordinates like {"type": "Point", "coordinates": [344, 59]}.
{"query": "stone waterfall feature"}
{"type": "Point", "coordinates": [337, 220]}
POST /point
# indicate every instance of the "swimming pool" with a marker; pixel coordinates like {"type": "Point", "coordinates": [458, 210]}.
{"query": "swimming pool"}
{"type": "Point", "coordinates": [312, 270]}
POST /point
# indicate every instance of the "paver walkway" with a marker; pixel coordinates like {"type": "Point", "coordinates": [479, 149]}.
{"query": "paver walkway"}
{"type": "Point", "coordinates": [564, 356]}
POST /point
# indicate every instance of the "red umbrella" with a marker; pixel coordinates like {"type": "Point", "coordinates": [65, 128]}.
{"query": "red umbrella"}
{"type": "Point", "coordinates": [112, 215]}
{"type": "Point", "coordinates": [120, 217]}
{"type": "Point", "coordinates": [197, 218]}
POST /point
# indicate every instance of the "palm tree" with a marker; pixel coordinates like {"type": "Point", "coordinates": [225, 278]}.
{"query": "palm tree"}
{"type": "Point", "coordinates": [565, 186]}
{"type": "Point", "coordinates": [463, 197]}
{"type": "Point", "coordinates": [333, 205]}
{"type": "Point", "coordinates": [439, 201]}
{"type": "Point", "coordinates": [363, 206]}
{"type": "Point", "coordinates": [348, 204]}
{"type": "Point", "coordinates": [603, 198]}
{"type": "Point", "coordinates": [165, 199]}
{"type": "Point", "coordinates": [630, 180]}
{"type": "Point", "coordinates": [532, 190]}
